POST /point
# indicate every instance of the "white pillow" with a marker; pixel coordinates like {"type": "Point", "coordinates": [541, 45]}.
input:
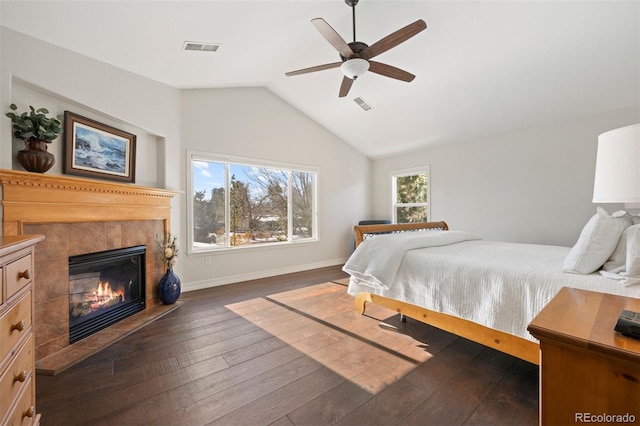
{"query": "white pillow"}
{"type": "Point", "coordinates": [617, 262]}
{"type": "Point", "coordinates": [596, 243]}
{"type": "Point", "coordinates": [633, 257]}
{"type": "Point", "coordinates": [629, 273]}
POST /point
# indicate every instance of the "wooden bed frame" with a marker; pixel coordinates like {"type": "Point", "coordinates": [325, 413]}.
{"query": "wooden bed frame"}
{"type": "Point", "coordinates": [504, 342]}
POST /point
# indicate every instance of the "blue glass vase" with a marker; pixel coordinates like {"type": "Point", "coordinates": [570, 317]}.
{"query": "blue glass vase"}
{"type": "Point", "coordinates": [169, 288]}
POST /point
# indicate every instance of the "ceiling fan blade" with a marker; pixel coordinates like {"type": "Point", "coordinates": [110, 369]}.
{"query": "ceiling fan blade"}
{"type": "Point", "coordinates": [332, 37]}
{"type": "Point", "coordinates": [314, 69]}
{"type": "Point", "coordinates": [345, 87]}
{"type": "Point", "coordinates": [389, 71]}
{"type": "Point", "coordinates": [393, 39]}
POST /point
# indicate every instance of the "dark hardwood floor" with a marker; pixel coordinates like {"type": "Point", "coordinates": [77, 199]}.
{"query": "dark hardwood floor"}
{"type": "Point", "coordinates": [290, 350]}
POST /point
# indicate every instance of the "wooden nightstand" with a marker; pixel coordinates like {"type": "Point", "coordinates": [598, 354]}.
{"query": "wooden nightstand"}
{"type": "Point", "coordinates": [588, 371]}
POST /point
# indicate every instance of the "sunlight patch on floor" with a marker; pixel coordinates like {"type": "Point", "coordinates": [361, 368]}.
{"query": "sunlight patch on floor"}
{"type": "Point", "coordinates": [347, 343]}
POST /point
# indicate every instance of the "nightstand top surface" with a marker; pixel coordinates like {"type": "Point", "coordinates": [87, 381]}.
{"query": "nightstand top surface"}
{"type": "Point", "coordinates": [585, 319]}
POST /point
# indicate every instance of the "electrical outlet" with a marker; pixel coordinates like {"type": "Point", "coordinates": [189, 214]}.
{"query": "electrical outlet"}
{"type": "Point", "coordinates": [207, 260]}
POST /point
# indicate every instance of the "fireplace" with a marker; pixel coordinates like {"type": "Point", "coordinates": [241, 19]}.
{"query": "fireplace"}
{"type": "Point", "coordinates": [104, 288]}
{"type": "Point", "coordinates": [80, 216]}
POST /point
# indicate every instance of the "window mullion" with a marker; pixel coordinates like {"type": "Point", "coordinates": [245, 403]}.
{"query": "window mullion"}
{"type": "Point", "coordinates": [289, 206]}
{"type": "Point", "coordinates": [227, 205]}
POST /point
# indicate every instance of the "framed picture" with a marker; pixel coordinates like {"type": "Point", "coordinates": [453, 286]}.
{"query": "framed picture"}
{"type": "Point", "coordinates": [93, 149]}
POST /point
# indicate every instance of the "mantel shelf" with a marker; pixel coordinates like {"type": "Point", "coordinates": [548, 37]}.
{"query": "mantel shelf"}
{"type": "Point", "coordinates": [38, 198]}
{"type": "Point", "coordinates": [21, 178]}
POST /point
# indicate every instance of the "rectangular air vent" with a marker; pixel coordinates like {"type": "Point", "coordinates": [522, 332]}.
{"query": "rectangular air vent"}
{"type": "Point", "coordinates": [200, 46]}
{"type": "Point", "coordinates": [363, 104]}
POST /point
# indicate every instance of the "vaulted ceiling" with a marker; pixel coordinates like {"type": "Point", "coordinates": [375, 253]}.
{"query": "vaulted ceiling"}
{"type": "Point", "coordinates": [482, 67]}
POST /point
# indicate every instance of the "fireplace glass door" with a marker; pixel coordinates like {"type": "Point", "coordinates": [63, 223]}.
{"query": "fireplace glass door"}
{"type": "Point", "coordinates": [105, 288]}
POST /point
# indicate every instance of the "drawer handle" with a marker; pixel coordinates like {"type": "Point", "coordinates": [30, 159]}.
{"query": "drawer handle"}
{"type": "Point", "coordinates": [20, 325]}
{"type": "Point", "coordinates": [26, 274]}
{"type": "Point", "coordinates": [21, 377]}
{"type": "Point", "coordinates": [31, 411]}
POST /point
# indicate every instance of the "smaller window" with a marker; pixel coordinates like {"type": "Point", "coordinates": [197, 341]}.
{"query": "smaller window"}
{"type": "Point", "coordinates": [411, 194]}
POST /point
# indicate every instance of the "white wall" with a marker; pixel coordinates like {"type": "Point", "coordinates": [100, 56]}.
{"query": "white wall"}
{"type": "Point", "coordinates": [38, 73]}
{"type": "Point", "coordinates": [25, 94]}
{"type": "Point", "coordinates": [253, 122]}
{"type": "Point", "coordinates": [531, 186]}
{"type": "Point", "coordinates": [242, 122]}
{"type": "Point", "coordinates": [63, 80]}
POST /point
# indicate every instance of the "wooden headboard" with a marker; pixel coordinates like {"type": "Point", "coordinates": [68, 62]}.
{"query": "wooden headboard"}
{"type": "Point", "coordinates": [363, 232]}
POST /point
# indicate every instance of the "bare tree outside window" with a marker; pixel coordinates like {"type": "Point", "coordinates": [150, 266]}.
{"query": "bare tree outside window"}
{"type": "Point", "coordinates": [248, 205]}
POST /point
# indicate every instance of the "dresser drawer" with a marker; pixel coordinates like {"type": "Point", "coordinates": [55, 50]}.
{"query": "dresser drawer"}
{"type": "Point", "coordinates": [23, 412]}
{"type": "Point", "coordinates": [19, 273]}
{"type": "Point", "coordinates": [15, 377]}
{"type": "Point", "coordinates": [14, 324]}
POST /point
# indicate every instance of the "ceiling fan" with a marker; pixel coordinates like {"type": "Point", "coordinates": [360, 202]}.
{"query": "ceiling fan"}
{"type": "Point", "coordinates": [356, 56]}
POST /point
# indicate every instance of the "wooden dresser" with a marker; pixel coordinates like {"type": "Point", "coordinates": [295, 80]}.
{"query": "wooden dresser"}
{"type": "Point", "coordinates": [17, 355]}
{"type": "Point", "coordinates": [589, 373]}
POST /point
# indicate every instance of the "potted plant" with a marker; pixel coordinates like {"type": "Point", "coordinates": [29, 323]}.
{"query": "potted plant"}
{"type": "Point", "coordinates": [37, 130]}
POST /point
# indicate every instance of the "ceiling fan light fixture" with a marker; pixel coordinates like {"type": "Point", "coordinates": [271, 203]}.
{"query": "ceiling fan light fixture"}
{"type": "Point", "coordinates": [354, 68]}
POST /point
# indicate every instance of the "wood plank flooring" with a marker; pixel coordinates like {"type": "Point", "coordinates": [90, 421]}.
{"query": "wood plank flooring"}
{"type": "Point", "coordinates": [285, 351]}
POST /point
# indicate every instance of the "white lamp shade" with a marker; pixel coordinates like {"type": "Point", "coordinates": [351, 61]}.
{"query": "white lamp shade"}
{"type": "Point", "coordinates": [617, 177]}
{"type": "Point", "coordinates": [354, 68]}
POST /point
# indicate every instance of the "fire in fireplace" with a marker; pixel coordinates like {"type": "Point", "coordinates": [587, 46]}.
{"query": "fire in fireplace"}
{"type": "Point", "coordinates": [105, 288]}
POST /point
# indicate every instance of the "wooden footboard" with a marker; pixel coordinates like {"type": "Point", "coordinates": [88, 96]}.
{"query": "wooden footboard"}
{"type": "Point", "coordinates": [504, 342]}
{"type": "Point", "coordinates": [365, 231]}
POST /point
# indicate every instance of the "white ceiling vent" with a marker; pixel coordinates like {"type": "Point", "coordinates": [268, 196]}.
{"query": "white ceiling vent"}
{"type": "Point", "coordinates": [200, 46]}
{"type": "Point", "coordinates": [363, 104]}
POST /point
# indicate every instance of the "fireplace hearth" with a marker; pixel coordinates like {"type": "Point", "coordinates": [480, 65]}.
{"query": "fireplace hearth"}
{"type": "Point", "coordinates": [104, 288]}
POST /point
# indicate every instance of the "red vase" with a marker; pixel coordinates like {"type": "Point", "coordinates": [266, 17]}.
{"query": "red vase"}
{"type": "Point", "coordinates": [36, 157]}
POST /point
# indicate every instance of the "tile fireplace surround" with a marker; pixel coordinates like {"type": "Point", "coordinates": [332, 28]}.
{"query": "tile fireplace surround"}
{"type": "Point", "coordinates": [79, 216]}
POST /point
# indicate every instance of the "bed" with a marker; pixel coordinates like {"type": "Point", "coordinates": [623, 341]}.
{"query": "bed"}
{"type": "Point", "coordinates": [484, 291]}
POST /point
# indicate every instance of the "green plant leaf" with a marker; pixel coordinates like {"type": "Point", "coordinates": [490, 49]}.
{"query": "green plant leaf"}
{"type": "Point", "coordinates": [34, 124]}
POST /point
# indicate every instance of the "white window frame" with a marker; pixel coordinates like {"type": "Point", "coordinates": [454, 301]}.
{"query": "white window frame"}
{"type": "Point", "coordinates": [409, 172]}
{"type": "Point", "coordinates": [246, 161]}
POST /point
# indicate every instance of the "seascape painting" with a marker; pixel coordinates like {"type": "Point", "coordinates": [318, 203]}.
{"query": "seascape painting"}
{"type": "Point", "coordinates": [99, 150]}
{"type": "Point", "coordinates": [94, 149]}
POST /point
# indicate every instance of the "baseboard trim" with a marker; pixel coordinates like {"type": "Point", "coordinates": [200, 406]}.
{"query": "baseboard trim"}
{"type": "Point", "coordinates": [200, 285]}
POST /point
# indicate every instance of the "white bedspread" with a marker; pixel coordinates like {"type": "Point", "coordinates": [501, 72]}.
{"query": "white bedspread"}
{"type": "Point", "coordinates": [376, 261]}
{"type": "Point", "coordinates": [495, 284]}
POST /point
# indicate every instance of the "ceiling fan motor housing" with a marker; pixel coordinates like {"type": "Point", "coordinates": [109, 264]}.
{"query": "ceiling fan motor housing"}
{"type": "Point", "coordinates": [356, 47]}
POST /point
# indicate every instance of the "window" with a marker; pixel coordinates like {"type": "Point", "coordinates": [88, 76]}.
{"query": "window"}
{"type": "Point", "coordinates": [411, 194]}
{"type": "Point", "coordinates": [246, 203]}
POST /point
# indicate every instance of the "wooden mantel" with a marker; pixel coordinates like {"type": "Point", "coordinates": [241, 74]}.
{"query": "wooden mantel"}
{"type": "Point", "coordinates": [38, 198]}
